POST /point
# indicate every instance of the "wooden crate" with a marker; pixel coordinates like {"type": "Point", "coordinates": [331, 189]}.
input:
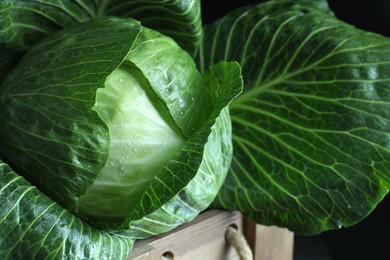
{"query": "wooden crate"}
{"type": "Point", "coordinates": [204, 238]}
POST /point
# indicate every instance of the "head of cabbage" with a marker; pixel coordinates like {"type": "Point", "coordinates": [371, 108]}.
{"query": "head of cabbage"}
{"type": "Point", "coordinates": [125, 132]}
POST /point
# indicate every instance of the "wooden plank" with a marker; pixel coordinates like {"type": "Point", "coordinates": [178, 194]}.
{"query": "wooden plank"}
{"type": "Point", "coordinates": [144, 252]}
{"type": "Point", "coordinates": [273, 243]}
{"type": "Point", "coordinates": [204, 238]}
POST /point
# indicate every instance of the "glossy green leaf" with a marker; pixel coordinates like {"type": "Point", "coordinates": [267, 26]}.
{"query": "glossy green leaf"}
{"type": "Point", "coordinates": [34, 227]}
{"type": "Point", "coordinates": [173, 76]}
{"type": "Point", "coordinates": [311, 130]}
{"type": "Point", "coordinates": [46, 106]}
{"type": "Point", "coordinates": [179, 19]}
{"type": "Point", "coordinates": [24, 23]}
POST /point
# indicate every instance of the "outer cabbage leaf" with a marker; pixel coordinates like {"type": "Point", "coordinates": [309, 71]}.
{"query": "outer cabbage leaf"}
{"type": "Point", "coordinates": [62, 72]}
{"type": "Point", "coordinates": [311, 130]}
{"type": "Point", "coordinates": [24, 23]}
{"type": "Point", "coordinates": [32, 226]}
{"type": "Point", "coordinates": [180, 20]}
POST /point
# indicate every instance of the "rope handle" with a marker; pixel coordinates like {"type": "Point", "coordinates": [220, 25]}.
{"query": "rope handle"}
{"type": "Point", "coordinates": [238, 241]}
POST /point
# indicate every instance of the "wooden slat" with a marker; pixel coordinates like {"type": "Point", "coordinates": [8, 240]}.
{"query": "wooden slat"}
{"type": "Point", "coordinates": [204, 238]}
{"type": "Point", "coordinates": [273, 243]}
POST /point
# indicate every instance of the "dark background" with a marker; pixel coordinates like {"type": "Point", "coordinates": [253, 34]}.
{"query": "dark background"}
{"type": "Point", "coordinates": [370, 238]}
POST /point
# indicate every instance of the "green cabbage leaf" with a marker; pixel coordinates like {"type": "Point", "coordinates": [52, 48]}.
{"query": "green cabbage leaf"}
{"type": "Point", "coordinates": [311, 130]}
{"type": "Point", "coordinates": [24, 23]}
{"type": "Point", "coordinates": [35, 227]}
